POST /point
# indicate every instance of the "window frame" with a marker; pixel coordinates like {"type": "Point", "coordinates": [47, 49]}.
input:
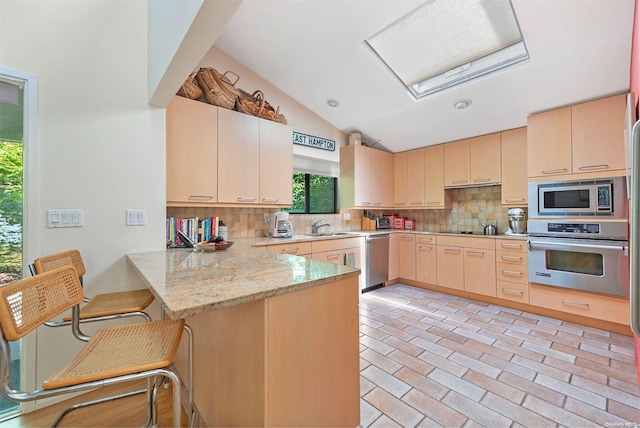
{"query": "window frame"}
{"type": "Point", "coordinates": [307, 194]}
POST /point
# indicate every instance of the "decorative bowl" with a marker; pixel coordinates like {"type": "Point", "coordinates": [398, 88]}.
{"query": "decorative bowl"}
{"type": "Point", "coordinates": [214, 247]}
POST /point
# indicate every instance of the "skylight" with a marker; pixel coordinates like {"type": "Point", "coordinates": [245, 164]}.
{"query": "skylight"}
{"type": "Point", "coordinates": [444, 43]}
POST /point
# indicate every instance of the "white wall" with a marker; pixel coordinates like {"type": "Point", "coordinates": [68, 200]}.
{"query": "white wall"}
{"type": "Point", "coordinates": [101, 146]}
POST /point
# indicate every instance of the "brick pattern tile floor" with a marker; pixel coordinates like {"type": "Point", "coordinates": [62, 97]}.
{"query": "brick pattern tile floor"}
{"type": "Point", "coordinates": [429, 359]}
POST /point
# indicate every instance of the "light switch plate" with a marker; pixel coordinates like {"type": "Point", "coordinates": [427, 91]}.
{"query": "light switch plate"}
{"type": "Point", "coordinates": [136, 217]}
{"type": "Point", "coordinates": [64, 218]}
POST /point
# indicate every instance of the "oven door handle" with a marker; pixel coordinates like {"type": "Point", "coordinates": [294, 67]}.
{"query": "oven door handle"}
{"type": "Point", "coordinates": [543, 244]}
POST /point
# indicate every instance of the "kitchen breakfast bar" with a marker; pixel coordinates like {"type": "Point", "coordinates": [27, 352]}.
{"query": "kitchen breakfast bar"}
{"type": "Point", "coordinates": [276, 336]}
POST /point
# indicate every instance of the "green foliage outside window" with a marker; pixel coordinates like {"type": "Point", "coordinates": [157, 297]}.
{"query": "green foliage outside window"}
{"type": "Point", "coordinates": [313, 194]}
{"type": "Point", "coordinates": [10, 211]}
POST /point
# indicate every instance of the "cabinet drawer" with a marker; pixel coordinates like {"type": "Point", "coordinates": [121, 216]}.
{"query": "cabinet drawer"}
{"type": "Point", "coordinates": [512, 257]}
{"type": "Point", "coordinates": [295, 248]}
{"type": "Point", "coordinates": [334, 244]}
{"type": "Point", "coordinates": [597, 306]}
{"type": "Point", "coordinates": [518, 292]}
{"type": "Point", "coordinates": [425, 239]}
{"type": "Point", "coordinates": [335, 256]}
{"type": "Point", "coordinates": [511, 245]}
{"type": "Point", "coordinates": [512, 273]}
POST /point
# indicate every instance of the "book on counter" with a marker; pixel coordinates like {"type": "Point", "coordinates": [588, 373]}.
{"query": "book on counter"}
{"type": "Point", "coordinates": [196, 229]}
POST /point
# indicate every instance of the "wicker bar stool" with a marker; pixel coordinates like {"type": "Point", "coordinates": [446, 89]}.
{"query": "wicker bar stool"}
{"type": "Point", "coordinates": [112, 355]}
{"type": "Point", "coordinates": [105, 306]}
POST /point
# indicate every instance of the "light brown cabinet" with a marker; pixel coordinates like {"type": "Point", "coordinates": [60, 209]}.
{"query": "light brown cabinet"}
{"type": "Point", "coordinates": [366, 177]}
{"type": "Point", "coordinates": [598, 135]}
{"type": "Point", "coordinates": [585, 139]}
{"type": "Point", "coordinates": [472, 162]}
{"type": "Point", "coordinates": [514, 167]}
{"type": "Point", "coordinates": [450, 262]}
{"type": "Point", "coordinates": [480, 266]}
{"type": "Point", "coordinates": [394, 256]}
{"type": "Point", "coordinates": [426, 259]}
{"type": "Point", "coordinates": [407, 260]}
{"type": "Point", "coordinates": [255, 160]}
{"type": "Point", "coordinates": [409, 179]}
{"type": "Point", "coordinates": [192, 153]}
{"type": "Point", "coordinates": [293, 248]}
{"type": "Point", "coordinates": [400, 180]}
{"type": "Point", "coordinates": [435, 196]}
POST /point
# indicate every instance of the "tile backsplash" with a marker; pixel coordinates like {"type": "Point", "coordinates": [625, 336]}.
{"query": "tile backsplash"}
{"type": "Point", "coordinates": [470, 208]}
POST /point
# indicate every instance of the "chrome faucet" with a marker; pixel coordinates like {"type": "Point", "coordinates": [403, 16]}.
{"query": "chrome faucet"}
{"type": "Point", "coordinates": [316, 227]}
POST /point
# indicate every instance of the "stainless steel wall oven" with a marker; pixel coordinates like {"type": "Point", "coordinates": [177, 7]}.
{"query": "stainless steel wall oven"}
{"type": "Point", "coordinates": [584, 255]}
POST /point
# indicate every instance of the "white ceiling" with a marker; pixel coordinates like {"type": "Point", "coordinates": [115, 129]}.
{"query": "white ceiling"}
{"type": "Point", "coordinates": [314, 50]}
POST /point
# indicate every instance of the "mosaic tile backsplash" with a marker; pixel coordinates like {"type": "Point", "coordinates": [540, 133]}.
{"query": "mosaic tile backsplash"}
{"type": "Point", "coordinates": [470, 208]}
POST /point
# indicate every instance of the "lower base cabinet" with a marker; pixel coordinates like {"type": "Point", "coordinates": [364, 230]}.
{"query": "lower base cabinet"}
{"type": "Point", "coordinates": [450, 266]}
{"type": "Point", "coordinates": [426, 263]}
{"type": "Point", "coordinates": [407, 262]}
{"type": "Point", "coordinates": [480, 270]}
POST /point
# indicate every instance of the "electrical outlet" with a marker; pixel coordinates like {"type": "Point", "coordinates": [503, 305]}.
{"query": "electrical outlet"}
{"type": "Point", "coordinates": [267, 219]}
{"type": "Point", "coordinates": [65, 218]}
{"type": "Point", "coordinates": [346, 216]}
{"type": "Point", "coordinates": [136, 217]}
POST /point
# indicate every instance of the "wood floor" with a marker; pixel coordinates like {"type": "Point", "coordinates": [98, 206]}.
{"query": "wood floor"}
{"type": "Point", "coordinates": [125, 412]}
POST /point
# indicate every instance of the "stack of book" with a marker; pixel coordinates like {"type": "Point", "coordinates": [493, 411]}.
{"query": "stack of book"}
{"type": "Point", "coordinates": [197, 229]}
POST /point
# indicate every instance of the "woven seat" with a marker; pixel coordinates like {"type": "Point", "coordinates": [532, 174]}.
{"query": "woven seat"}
{"type": "Point", "coordinates": [112, 355]}
{"type": "Point", "coordinates": [103, 306]}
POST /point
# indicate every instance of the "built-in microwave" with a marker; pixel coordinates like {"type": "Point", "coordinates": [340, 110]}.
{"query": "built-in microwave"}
{"type": "Point", "coordinates": [595, 198]}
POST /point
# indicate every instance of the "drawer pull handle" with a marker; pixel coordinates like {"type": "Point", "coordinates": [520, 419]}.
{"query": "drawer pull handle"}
{"type": "Point", "coordinates": [510, 291]}
{"type": "Point", "coordinates": [416, 203]}
{"type": "Point", "coordinates": [475, 253]}
{"type": "Point", "coordinates": [512, 258]}
{"type": "Point", "coordinates": [511, 273]}
{"type": "Point", "coordinates": [200, 197]}
{"type": "Point", "coordinates": [571, 302]}
{"type": "Point", "coordinates": [290, 250]}
{"type": "Point", "coordinates": [377, 203]}
{"type": "Point", "coordinates": [554, 171]}
{"type": "Point", "coordinates": [481, 180]}
{"type": "Point", "coordinates": [433, 202]}
{"type": "Point", "coordinates": [332, 256]}
{"type": "Point", "coordinates": [450, 250]}
{"type": "Point", "coordinates": [589, 167]}
{"type": "Point", "coordinates": [514, 200]}
{"type": "Point", "coordinates": [406, 238]}
{"type": "Point", "coordinates": [422, 240]}
{"type": "Point", "coordinates": [425, 247]}
{"type": "Point", "coordinates": [270, 199]}
{"type": "Point", "coordinates": [518, 246]}
{"type": "Point", "coordinates": [459, 181]}
{"type": "Point", "coordinates": [246, 199]}
{"type": "Point", "coordinates": [401, 203]}
{"type": "Point", "coordinates": [365, 203]}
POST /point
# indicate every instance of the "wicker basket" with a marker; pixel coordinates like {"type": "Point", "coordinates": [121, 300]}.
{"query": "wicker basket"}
{"type": "Point", "coordinates": [214, 94]}
{"type": "Point", "coordinates": [190, 88]}
{"type": "Point", "coordinates": [252, 104]}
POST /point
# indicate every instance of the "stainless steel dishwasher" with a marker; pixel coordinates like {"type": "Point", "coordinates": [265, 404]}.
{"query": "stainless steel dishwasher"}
{"type": "Point", "coordinates": [377, 253]}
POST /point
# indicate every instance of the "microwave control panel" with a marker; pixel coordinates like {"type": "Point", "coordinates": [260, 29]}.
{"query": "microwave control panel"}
{"type": "Point", "coordinates": [604, 198]}
{"type": "Point", "coordinates": [574, 228]}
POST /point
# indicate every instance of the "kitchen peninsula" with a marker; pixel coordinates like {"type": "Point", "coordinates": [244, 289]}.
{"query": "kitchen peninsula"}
{"type": "Point", "coordinates": [276, 336]}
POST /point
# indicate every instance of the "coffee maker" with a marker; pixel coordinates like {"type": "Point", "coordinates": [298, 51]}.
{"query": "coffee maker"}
{"type": "Point", "coordinates": [280, 225]}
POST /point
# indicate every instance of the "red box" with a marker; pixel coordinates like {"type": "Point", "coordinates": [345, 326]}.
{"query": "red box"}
{"type": "Point", "coordinates": [409, 224]}
{"type": "Point", "coordinates": [398, 223]}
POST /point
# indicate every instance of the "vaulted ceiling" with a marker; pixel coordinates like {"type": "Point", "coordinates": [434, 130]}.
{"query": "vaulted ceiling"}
{"type": "Point", "coordinates": [314, 50]}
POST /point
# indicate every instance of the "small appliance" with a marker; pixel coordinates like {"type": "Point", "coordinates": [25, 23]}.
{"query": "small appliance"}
{"type": "Point", "coordinates": [280, 225]}
{"type": "Point", "coordinates": [517, 222]}
{"type": "Point", "coordinates": [383, 223]}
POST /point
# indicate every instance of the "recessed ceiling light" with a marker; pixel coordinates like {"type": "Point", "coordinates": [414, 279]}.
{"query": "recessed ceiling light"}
{"type": "Point", "coordinates": [333, 103]}
{"type": "Point", "coordinates": [460, 104]}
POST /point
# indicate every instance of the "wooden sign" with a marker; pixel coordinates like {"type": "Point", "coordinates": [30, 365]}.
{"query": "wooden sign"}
{"type": "Point", "coordinates": [316, 142]}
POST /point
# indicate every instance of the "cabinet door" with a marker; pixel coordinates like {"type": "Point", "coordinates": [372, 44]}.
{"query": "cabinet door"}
{"type": "Point", "coordinates": [434, 194]}
{"type": "Point", "coordinates": [400, 178]}
{"type": "Point", "coordinates": [415, 180]}
{"type": "Point", "coordinates": [457, 160]}
{"type": "Point", "coordinates": [394, 256]}
{"type": "Point", "coordinates": [192, 152]}
{"type": "Point", "coordinates": [238, 157]}
{"type": "Point", "coordinates": [426, 263]}
{"type": "Point", "coordinates": [549, 143]}
{"type": "Point", "coordinates": [276, 163]}
{"type": "Point", "coordinates": [381, 176]}
{"type": "Point", "coordinates": [362, 176]}
{"type": "Point", "coordinates": [514, 167]}
{"type": "Point", "coordinates": [485, 158]}
{"type": "Point", "coordinates": [450, 269]}
{"type": "Point", "coordinates": [480, 271]}
{"type": "Point", "coordinates": [598, 135]}
{"type": "Point", "coordinates": [407, 257]}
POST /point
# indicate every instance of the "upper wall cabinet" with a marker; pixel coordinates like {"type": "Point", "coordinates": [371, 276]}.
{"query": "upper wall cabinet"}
{"type": "Point", "coordinates": [434, 194]}
{"type": "Point", "coordinates": [220, 157]}
{"type": "Point", "coordinates": [473, 162]}
{"type": "Point", "coordinates": [366, 177]}
{"type": "Point", "coordinates": [514, 167]}
{"type": "Point", "coordinates": [582, 141]}
{"type": "Point", "coordinates": [409, 181]}
{"type": "Point", "coordinates": [192, 153]}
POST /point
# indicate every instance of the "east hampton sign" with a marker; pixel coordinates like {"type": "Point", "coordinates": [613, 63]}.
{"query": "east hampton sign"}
{"type": "Point", "coordinates": [317, 142]}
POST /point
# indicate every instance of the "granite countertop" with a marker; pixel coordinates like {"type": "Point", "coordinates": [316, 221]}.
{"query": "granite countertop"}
{"type": "Point", "coordinates": [189, 282]}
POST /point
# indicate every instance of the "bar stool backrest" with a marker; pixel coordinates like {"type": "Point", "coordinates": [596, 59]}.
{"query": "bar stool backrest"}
{"type": "Point", "coordinates": [28, 303]}
{"type": "Point", "coordinates": [64, 258]}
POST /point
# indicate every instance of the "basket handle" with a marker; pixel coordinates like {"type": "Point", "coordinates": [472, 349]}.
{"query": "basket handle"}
{"type": "Point", "coordinates": [259, 97]}
{"type": "Point", "coordinates": [237, 77]}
